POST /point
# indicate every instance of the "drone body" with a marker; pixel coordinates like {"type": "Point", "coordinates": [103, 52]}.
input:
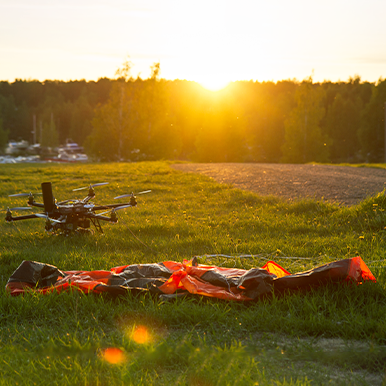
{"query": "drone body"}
{"type": "Point", "coordinates": [71, 215]}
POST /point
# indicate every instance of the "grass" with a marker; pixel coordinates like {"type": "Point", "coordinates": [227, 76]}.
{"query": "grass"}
{"type": "Point", "coordinates": [335, 334]}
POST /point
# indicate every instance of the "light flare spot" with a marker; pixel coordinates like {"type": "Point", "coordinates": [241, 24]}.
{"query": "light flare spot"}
{"type": "Point", "coordinates": [113, 355]}
{"type": "Point", "coordinates": [140, 335]}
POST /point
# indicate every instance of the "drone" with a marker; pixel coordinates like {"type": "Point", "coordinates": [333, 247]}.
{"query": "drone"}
{"type": "Point", "coordinates": [72, 215]}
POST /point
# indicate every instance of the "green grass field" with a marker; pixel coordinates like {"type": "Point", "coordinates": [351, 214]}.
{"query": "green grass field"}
{"type": "Point", "coordinates": [332, 335]}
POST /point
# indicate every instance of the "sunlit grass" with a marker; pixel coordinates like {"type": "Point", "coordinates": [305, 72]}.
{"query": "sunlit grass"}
{"type": "Point", "coordinates": [334, 334]}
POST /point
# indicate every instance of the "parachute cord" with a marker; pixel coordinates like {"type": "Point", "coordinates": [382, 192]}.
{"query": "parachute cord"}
{"type": "Point", "coordinates": [140, 240]}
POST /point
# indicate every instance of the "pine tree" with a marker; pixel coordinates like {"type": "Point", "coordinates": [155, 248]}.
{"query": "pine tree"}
{"type": "Point", "coordinates": [304, 141]}
{"type": "Point", "coordinates": [3, 137]}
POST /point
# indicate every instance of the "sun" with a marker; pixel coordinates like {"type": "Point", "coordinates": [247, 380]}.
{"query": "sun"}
{"type": "Point", "coordinates": [213, 83]}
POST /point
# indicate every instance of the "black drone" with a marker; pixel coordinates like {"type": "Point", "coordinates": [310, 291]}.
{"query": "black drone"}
{"type": "Point", "coordinates": [72, 215]}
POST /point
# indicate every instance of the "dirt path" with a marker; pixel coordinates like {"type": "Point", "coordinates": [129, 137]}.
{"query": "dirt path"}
{"type": "Point", "coordinates": [341, 184]}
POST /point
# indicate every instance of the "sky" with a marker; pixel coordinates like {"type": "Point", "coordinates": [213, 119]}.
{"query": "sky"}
{"type": "Point", "coordinates": [209, 41]}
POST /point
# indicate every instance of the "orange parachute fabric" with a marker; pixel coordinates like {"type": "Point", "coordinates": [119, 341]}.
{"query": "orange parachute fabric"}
{"type": "Point", "coordinates": [169, 278]}
{"type": "Point", "coordinates": [275, 269]}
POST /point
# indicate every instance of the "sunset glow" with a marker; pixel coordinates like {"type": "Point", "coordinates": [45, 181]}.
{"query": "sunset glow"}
{"type": "Point", "coordinates": [210, 42]}
{"type": "Point", "coordinates": [213, 83]}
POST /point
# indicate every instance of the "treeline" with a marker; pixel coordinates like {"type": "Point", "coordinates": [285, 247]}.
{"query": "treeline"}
{"type": "Point", "coordinates": [50, 112]}
{"type": "Point", "coordinates": [134, 119]}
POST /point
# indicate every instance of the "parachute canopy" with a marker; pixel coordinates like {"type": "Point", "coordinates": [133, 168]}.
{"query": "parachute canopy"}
{"type": "Point", "coordinates": [171, 278]}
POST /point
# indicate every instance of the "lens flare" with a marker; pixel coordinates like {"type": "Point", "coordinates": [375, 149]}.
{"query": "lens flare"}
{"type": "Point", "coordinates": [214, 84]}
{"type": "Point", "coordinates": [113, 355]}
{"type": "Point", "coordinates": [140, 335]}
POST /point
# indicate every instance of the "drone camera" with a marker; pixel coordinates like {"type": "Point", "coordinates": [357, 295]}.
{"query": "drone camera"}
{"type": "Point", "coordinates": [84, 223]}
{"type": "Point", "coordinates": [48, 227]}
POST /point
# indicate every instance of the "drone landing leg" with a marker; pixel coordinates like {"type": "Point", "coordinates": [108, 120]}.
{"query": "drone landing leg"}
{"type": "Point", "coordinates": [97, 224]}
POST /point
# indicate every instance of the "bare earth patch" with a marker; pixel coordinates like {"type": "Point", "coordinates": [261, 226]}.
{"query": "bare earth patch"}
{"type": "Point", "coordinates": [321, 351]}
{"type": "Point", "coordinates": [344, 185]}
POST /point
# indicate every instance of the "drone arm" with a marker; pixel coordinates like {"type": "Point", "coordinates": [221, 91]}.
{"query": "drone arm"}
{"type": "Point", "coordinates": [37, 204]}
{"type": "Point", "coordinates": [26, 217]}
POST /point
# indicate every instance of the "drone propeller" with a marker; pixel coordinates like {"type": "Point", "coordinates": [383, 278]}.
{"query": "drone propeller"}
{"type": "Point", "coordinates": [18, 208]}
{"type": "Point", "coordinates": [48, 218]}
{"type": "Point", "coordinates": [22, 194]}
{"type": "Point", "coordinates": [132, 194]}
{"type": "Point", "coordinates": [90, 186]}
{"type": "Point", "coordinates": [122, 207]}
{"type": "Point", "coordinates": [115, 209]}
